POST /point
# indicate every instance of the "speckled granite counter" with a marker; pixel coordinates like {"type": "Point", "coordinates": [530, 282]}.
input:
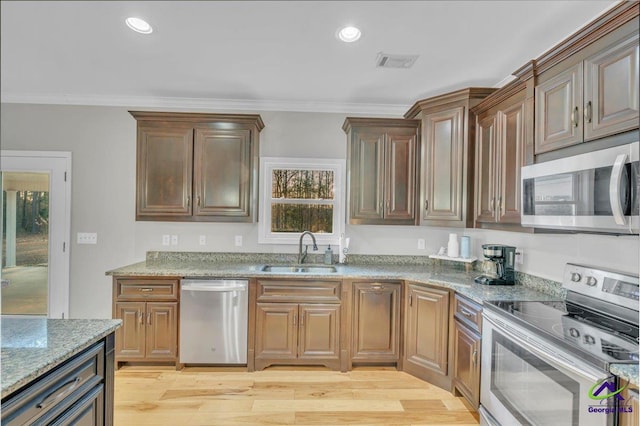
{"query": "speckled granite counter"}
{"type": "Point", "coordinates": [626, 371]}
{"type": "Point", "coordinates": [532, 288]}
{"type": "Point", "coordinates": [31, 347]}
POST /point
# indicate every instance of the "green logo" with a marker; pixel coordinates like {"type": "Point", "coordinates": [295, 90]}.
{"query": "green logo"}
{"type": "Point", "coordinates": [610, 385]}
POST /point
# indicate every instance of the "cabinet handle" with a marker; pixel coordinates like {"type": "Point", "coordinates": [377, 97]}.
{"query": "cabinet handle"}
{"type": "Point", "coordinates": [188, 201]}
{"type": "Point", "coordinates": [149, 318]}
{"type": "Point", "coordinates": [574, 117]}
{"type": "Point", "coordinates": [474, 357]}
{"type": "Point", "coordinates": [466, 313]}
{"type": "Point", "coordinates": [60, 392]}
{"type": "Point", "coordinates": [410, 299]}
{"type": "Point", "coordinates": [198, 201]}
{"type": "Point", "coordinates": [426, 205]}
{"type": "Point", "coordinates": [145, 290]}
{"type": "Point", "coordinates": [588, 112]}
{"type": "Point", "coordinates": [377, 287]}
{"type": "Point", "coordinates": [301, 320]}
{"type": "Point", "coordinates": [381, 205]}
{"type": "Point", "coordinates": [493, 205]}
{"type": "Point", "coordinates": [500, 203]}
{"type": "Point", "coordinates": [295, 320]}
{"type": "Point", "coordinates": [140, 317]}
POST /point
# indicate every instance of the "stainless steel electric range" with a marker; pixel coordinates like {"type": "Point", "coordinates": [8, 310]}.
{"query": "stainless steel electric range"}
{"type": "Point", "coordinates": [547, 363]}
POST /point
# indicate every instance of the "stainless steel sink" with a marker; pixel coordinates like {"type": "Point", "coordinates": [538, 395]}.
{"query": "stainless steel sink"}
{"type": "Point", "coordinates": [309, 269]}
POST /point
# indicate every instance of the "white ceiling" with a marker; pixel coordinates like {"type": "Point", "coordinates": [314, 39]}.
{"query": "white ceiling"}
{"type": "Point", "coordinates": [278, 55]}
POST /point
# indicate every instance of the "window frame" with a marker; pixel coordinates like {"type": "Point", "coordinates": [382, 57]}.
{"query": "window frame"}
{"type": "Point", "coordinates": [267, 165]}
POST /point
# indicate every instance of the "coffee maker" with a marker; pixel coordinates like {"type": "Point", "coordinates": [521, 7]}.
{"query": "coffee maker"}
{"type": "Point", "coordinates": [498, 269]}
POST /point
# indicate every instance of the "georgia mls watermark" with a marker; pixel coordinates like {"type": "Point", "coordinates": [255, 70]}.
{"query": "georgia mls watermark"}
{"type": "Point", "coordinates": [608, 396]}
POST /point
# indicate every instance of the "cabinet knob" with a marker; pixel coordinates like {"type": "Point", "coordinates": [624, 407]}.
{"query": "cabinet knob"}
{"type": "Point", "coordinates": [574, 117]}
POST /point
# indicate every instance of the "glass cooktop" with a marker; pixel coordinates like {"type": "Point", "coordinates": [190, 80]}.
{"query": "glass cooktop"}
{"type": "Point", "coordinates": [598, 338]}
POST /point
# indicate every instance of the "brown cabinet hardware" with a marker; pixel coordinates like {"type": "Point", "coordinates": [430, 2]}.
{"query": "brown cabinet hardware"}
{"type": "Point", "coordinates": [588, 112]}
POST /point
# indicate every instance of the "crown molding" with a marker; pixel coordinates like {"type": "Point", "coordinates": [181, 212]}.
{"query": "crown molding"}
{"type": "Point", "coordinates": [206, 104]}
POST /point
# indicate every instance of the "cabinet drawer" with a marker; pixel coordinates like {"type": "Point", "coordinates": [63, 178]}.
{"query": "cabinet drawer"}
{"type": "Point", "coordinates": [307, 290]}
{"type": "Point", "coordinates": [468, 312]}
{"type": "Point", "coordinates": [57, 390]}
{"type": "Point", "coordinates": [146, 289]}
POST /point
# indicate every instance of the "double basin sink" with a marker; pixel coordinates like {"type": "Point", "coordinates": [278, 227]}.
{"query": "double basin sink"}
{"type": "Point", "coordinates": [309, 269]}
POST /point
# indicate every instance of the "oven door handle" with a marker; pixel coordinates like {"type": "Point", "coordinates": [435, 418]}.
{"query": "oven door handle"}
{"type": "Point", "coordinates": [614, 189]}
{"type": "Point", "coordinates": [548, 354]}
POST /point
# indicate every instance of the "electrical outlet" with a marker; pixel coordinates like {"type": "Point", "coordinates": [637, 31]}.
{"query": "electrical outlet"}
{"type": "Point", "coordinates": [166, 239]}
{"type": "Point", "coordinates": [519, 256]}
{"type": "Point", "coordinates": [238, 240]}
{"type": "Point", "coordinates": [174, 240]}
{"type": "Point", "coordinates": [87, 238]}
{"type": "Point", "coordinates": [203, 240]}
{"type": "Point", "coordinates": [420, 243]}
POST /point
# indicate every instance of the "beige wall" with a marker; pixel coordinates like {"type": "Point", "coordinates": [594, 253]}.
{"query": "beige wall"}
{"type": "Point", "coordinates": [102, 140]}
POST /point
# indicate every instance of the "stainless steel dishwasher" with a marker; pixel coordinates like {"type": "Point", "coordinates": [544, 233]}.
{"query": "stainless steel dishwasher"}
{"type": "Point", "coordinates": [213, 321]}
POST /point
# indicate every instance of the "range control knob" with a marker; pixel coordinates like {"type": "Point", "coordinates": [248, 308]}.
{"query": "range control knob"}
{"type": "Point", "coordinates": [589, 340]}
{"type": "Point", "coordinates": [575, 277]}
{"type": "Point", "coordinates": [574, 332]}
{"type": "Point", "coordinates": [591, 281]}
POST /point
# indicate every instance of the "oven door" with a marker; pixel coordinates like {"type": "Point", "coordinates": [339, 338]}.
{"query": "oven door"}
{"type": "Point", "coordinates": [522, 384]}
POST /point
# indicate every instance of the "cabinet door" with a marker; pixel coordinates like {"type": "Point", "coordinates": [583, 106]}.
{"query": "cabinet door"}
{"type": "Point", "coordinates": [485, 169]}
{"type": "Point", "coordinates": [162, 330]}
{"type": "Point", "coordinates": [319, 331]}
{"type": "Point", "coordinates": [558, 107]}
{"type": "Point", "coordinates": [130, 338]}
{"type": "Point", "coordinates": [630, 403]}
{"type": "Point", "coordinates": [276, 330]}
{"type": "Point", "coordinates": [400, 170]}
{"type": "Point", "coordinates": [376, 321]}
{"type": "Point", "coordinates": [443, 152]}
{"type": "Point", "coordinates": [427, 328]}
{"type": "Point", "coordinates": [222, 179]}
{"type": "Point", "coordinates": [510, 159]}
{"type": "Point", "coordinates": [611, 90]}
{"type": "Point", "coordinates": [367, 176]}
{"type": "Point", "coordinates": [466, 370]}
{"type": "Point", "coordinates": [164, 172]}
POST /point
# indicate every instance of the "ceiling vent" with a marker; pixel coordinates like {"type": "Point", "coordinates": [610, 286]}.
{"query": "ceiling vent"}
{"type": "Point", "coordinates": [387, 60]}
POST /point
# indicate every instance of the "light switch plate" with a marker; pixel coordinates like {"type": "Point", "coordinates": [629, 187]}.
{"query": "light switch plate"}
{"type": "Point", "coordinates": [203, 240]}
{"type": "Point", "coordinates": [238, 240]}
{"type": "Point", "coordinates": [87, 238]}
{"type": "Point", "coordinates": [174, 240]}
{"type": "Point", "coordinates": [166, 239]}
{"type": "Point", "coordinates": [420, 243]}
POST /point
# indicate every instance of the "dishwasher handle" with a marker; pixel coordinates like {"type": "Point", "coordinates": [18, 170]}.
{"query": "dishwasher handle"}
{"type": "Point", "coordinates": [214, 288]}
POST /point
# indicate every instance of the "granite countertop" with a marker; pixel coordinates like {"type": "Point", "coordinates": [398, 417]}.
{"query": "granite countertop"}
{"type": "Point", "coordinates": [626, 371]}
{"type": "Point", "coordinates": [459, 280]}
{"type": "Point", "coordinates": [32, 346]}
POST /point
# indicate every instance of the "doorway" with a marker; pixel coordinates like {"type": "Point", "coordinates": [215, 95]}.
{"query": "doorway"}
{"type": "Point", "coordinates": [36, 192]}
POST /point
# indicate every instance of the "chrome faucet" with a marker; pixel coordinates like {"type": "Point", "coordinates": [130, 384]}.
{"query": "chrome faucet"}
{"type": "Point", "coordinates": [302, 256]}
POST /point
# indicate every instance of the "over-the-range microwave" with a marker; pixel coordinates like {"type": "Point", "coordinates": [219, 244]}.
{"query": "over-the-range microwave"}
{"type": "Point", "coordinates": [594, 192]}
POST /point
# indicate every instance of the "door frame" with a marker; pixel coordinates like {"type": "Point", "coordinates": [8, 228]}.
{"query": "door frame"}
{"type": "Point", "coordinates": [58, 165]}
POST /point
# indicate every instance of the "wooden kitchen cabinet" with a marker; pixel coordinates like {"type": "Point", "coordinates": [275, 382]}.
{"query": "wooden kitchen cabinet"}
{"type": "Point", "coordinates": [297, 323]}
{"type": "Point", "coordinates": [630, 405]}
{"type": "Point", "coordinates": [381, 157]}
{"type": "Point", "coordinates": [197, 167]}
{"type": "Point", "coordinates": [500, 155]}
{"type": "Point", "coordinates": [592, 94]}
{"type": "Point", "coordinates": [467, 320]}
{"type": "Point", "coordinates": [426, 345]}
{"type": "Point", "coordinates": [447, 156]}
{"type": "Point", "coordinates": [148, 309]}
{"type": "Point", "coordinates": [375, 330]}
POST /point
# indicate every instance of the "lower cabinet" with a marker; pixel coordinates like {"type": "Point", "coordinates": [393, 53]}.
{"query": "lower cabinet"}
{"type": "Point", "coordinates": [630, 407]}
{"type": "Point", "coordinates": [77, 392]}
{"type": "Point", "coordinates": [375, 330]}
{"type": "Point", "coordinates": [148, 309]}
{"type": "Point", "coordinates": [467, 322]}
{"type": "Point", "coordinates": [293, 326]}
{"type": "Point", "coordinates": [427, 334]}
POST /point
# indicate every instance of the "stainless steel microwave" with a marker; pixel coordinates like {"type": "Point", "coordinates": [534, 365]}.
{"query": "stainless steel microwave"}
{"type": "Point", "coordinates": [593, 192]}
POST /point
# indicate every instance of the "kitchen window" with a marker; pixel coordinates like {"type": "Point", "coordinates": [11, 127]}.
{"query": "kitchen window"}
{"type": "Point", "coordinates": [300, 194]}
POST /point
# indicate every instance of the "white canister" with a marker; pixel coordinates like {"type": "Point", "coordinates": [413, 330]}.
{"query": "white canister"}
{"type": "Point", "coordinates": [453, 249]}
{"type": "Point", "coordinates": [465, 247]}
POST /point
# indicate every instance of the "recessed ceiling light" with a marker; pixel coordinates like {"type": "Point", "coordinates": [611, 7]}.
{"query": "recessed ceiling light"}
{"type": "Point", "coordinates": [139, 25]}
{"type": "Point", "coordinates": [349, 34]}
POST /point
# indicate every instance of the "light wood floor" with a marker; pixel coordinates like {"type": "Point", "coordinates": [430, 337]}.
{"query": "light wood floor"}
{"type": "Point", "coordinates": [281, 396]}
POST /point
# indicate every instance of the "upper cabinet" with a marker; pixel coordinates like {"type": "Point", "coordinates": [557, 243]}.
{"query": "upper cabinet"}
{"type": "Point", "coordinates": [500, 153]}
{"type": "Point", "coordinates": [197, 167]}
{"type": "Point", "coordinates": [381, 158]}
{"type": "Point", "coordinates": [447, 156]}
{"type": "Point", "coordinates": [590, 94]}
